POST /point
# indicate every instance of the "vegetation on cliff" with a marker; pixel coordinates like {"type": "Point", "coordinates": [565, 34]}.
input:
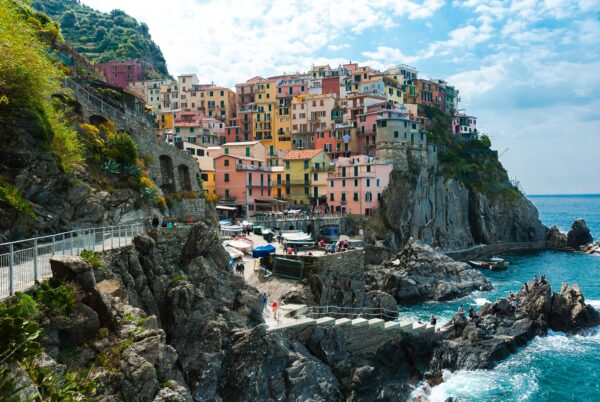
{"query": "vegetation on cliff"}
{"type": "Point", "coordinates": [103, 37]}
{"type": "Point", "coordinates": [472, 162]}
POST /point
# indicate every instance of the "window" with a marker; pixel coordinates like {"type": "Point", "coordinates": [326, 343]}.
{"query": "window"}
{"type": "Point", "coordinates": [368, 197]}
{"type": "Point", "coordinates": [226, 193]}
{"type": "Point", "coordinates": [368, 182]}
{"type": "Point", "coordinates": [355, 197]}
{"type": "Point", "coordinates": [287, 164]}
{"type": "Point", "coordinates": [355, 170]}
{"type": "Point", "coordinates": [343, 183]}
{"type": "Point", "coordinates": [396, 134]}
{"type": "Point", "coordinates": [306, 164]}
{"type": "Point", "coordinates": [191, 129]}
{"type": "Point", "coordinates": [343, 196]}
{"type": "Point", "coordinates": [177, 129]}
{"type": "Point", "coordinates": [226, 162]}
{"type": "Point", "coordinates": [368, 168]}
{"type": "Point", "coordinates": [222, 93]}
{"type": "Point", "coordinates": [247, 151]}
{"type": "Point", "coordinates": [331, 198]}
{"type": "Point", "coordinates": [355, 182]}
{"type": "Point", "coordinates": [343, 172]}
{"type": "Point", "coordinates": [378, 196]}
{"type": "Point", "coordinates": [227, 177]}
{"type": "Point", "coordinates": [204, 176]}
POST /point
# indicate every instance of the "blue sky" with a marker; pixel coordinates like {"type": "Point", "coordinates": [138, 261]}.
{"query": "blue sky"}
{"type": "Point", "coordinates": [529, 70]}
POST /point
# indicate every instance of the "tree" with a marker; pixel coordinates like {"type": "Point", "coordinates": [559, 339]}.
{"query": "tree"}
{"type": "Point", "coordinates": [485, 140]}
{"type": "Point", "coordinates": [68, 19]}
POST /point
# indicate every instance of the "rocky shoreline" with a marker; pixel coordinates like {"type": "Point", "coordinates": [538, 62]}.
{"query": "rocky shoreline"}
{"type": "Point", "coordinates": [179, 326]}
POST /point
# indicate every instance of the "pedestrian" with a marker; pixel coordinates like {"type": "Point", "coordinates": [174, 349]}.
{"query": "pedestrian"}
{"type": "Point", "coordinates": [155, 222]}
{"type": "Point", "coordinates": [264, 299]}
{"type": "Point", "coordinates": [432, 320]}
{"type": "Point", "coordinates": [274, 306]}
{"type": "Point", "coordinates": [190, 221]}
{"type": "Point", "coordinates": [526, 288]}
{"type": "Point", "coordinates": [460, 310]}
{"type": "Point", "coordinates": [471, 313]}
{"type": "Point", "coordinates": [543, 280]}
{"type": "Point", "coordinates": [536, 281]}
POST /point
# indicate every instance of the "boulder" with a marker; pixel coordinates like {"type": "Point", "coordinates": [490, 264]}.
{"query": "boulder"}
{"type": "Point", "coordinates": [579, 234]}
{"type": "Point", "coordinates": [419, 273]}
{"type": "Point", "coordinates": [74, 269]}
{"type": "Point", "coordinates": [555, 239]}
{"type": "Point", "coordinates": [569, 311]}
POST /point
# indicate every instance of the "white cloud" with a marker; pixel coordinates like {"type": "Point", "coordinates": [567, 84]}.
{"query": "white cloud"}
{"type": "Point", "coordinates": [335, 48]}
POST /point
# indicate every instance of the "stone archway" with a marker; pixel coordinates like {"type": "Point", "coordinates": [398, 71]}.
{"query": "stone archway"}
{"type": "Point", "coordinates": [309, 229]}
{"type": "Point", "coordinates": [185, 182]}
{"type": "Point", "coordinates": [97, 120]}
{"type": "Point", "coordinates": [167, 174]}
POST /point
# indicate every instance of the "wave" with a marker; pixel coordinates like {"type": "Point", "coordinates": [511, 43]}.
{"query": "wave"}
{"type": "Point", "coordinates": [594, 303]}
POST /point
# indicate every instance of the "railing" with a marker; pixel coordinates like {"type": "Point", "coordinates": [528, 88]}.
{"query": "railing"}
{"type": "Point", "coordinates": [350, 312]}
{"type": "Point", "coordinates": [272, 217]}
{"type": "Point", "coordinates": [25, 261]}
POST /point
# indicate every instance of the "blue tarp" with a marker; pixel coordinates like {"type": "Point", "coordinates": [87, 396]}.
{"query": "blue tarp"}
{"type": "Point", "coordinates": [263, 251]}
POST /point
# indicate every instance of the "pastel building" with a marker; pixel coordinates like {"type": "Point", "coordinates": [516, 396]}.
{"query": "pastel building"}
{"type": "Point", "coordinates": [464, 126]}
{"type": "Point", "coordinates": [396, 126]}
{"type": "Point", "coordinates": [302, 168]}
{"type": "Point", "coordinates": [120, 73]}
{"type": "Point", "coordinates": [357, 183]}
{"type": "Point", "coordinates": [194, 127]}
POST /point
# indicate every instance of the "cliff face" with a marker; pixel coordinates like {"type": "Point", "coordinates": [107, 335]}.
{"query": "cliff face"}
{"type": "Point", "coordinates": [444, 213]}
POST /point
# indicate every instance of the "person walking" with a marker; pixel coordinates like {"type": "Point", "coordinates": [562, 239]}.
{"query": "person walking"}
{"type": "Point", "coordinates": [275, 306]}
{"type": "Point", "coordinates": [264, 299]}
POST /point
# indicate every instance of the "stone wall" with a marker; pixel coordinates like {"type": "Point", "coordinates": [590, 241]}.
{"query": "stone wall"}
{"type": "Point", "coordinates": [346, 263]}
{"type": "Point", "coordinates": [483, 250]}
{"type": "Point", "coordinates": [405, 154]}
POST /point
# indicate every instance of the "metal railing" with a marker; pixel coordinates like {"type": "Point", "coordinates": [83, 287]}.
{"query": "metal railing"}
{"type": "Point", "coordinates": [25, 261]}
{"type": "Point", "coordinates": [350, 312]}
{"type": "Point", "coordinates": [305, 216]}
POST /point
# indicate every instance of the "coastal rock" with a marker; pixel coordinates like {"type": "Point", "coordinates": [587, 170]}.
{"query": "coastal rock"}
{"type": "Point", "coordinates": [569, 311]}
{"type": "Point", "coordinates": [555, 239]}
{"type": "Point", "coordinates": [420, 273]}
{"type": "Point", "coordinates": [579, 234]}
{"type": "Point", "coordinates": [466, 344]}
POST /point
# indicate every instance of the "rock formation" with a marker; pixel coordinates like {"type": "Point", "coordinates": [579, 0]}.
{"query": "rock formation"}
{"type": "Point", "coordinates": [555, 239]}
{"type": "Point", "coordinates": [579, 234]}
{"type": "Point", "coordinates": [420, 273]}
{"type": "Point", "coordinates": [501, 329]}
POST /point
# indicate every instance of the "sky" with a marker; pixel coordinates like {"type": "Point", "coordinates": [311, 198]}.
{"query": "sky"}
{"type": "Point", "coordinates": [529, 70]}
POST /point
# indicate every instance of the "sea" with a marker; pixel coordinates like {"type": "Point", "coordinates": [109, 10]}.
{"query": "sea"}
{"type": "Point", "coordinates": [557, 367]}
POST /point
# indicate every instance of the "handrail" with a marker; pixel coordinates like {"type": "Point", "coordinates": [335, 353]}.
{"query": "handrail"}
{"type": "Point", "coordinates": [350, 312]}
{"type": "Point", "coordinates": [23, 262]}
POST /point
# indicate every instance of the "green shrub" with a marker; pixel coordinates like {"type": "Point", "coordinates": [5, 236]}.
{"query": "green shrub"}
{"type": "Point", "coordinates": [94, 258]}
{"type": "Point", "coordinates": [57, 297]}
{"type": "Point", "coordinates": [178, 278]}
{"type": "Point", "coordinates": [52, 386]}
{"type": "Point", "coordinates": [14, 198]}
{"type": "Point", "coordinates": [20, 333]}
{"type": "Point", "coordinates": [122, 149]}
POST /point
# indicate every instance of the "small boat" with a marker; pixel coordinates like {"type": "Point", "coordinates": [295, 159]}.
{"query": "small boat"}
{"type": "Point", "coordinates": [242, 246]}
{"type": "Point", "coordinates": [234, 253]}
{"type": "Point", "coordinates": [296, 236]}
{"type": "Point", "coordinates": [299, 243]}
{"type": "Point", "coordinates": [494, 263]}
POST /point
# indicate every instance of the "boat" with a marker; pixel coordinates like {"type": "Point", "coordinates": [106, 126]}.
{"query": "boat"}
{"type": "Point", "coordinates": [299, 243]}
{"type": "Point", "coordinates": [263, 251]}
{"type": "Point", "coordinates": [242, 246]}
{"type": "Point", "coordinates": [234, 252]}
{"type": "Point", "coordinates": [299, 235]}
{"type": "Point", "coordinates": [494, 263]}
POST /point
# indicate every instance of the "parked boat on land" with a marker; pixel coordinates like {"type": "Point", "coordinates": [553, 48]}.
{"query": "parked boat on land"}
{"type": "Point", "coordinates": [494, 263]}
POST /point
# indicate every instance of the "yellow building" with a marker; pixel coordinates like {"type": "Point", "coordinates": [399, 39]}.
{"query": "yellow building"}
{"type": "Point", "coordinates": [165, 120]}
{"type": "Point", "coordinates": [304, 179]}
{"type": "Point", "coordinates": [265, 99]}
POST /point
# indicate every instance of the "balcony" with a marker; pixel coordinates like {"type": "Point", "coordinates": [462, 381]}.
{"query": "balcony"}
{"type": "Point", "coordinates": [252, 168]}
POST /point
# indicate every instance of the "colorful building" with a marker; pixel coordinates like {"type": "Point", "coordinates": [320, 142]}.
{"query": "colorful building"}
{"type": "Point", "coordinates": [120, 73]}
{"type": "Point", "coordinates": [357, 183]}
{"type": "Point", "coordinates": [302, 169]}
{"type": "Point", "coordinates": [464, 127]}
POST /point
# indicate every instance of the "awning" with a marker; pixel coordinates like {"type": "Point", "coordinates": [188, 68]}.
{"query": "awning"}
{"type": "Point", "coordinates": [226, 208]}
{"type": "Point", "coordinates": [268, 201]}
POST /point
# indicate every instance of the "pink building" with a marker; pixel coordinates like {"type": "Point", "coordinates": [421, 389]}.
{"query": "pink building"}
{"type": "Point", "coordinates": [357, 183]}
{"type": "Point", "coordinates": [119, 73]}
{"type": "Point", "coordinates": [243, 183]}
{"type": "Point", "coordinates": [464, 127]}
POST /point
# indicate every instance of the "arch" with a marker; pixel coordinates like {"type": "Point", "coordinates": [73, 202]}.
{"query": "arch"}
{"type": "Point", "coordinates": [309, 229]}
{"type": "Point", "coordinates": [96, 120]}
{"type": "Point", "coordinates": [185, 182]}
{"type": "Point", "coordinates": [167, 174]}
{"type": "Point", "coordinates": [291, 227]}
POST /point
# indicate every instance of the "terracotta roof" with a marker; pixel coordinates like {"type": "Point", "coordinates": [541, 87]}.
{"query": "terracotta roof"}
{"type": "Point", "coordinates": [302, 154]}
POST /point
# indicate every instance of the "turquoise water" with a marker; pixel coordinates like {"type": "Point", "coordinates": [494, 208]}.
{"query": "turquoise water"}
{"type": "Point", "coordinates": [553, 368]}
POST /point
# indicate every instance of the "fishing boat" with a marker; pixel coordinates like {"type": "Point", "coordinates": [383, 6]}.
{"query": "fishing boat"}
{"type": "Point", "coordinates": [242, 246]}
{"type": "Point", "coordinates": [494, 263]}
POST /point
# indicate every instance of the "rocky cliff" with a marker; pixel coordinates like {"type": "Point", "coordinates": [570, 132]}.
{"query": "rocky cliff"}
{"type": "Point", "coordinates": [444, 213]}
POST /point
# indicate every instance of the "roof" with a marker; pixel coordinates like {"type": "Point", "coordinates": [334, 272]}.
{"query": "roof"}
{"type": "Point", "coordinates": [245, 158]}
{"type": "Point", "coordinates": [302, 154]}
